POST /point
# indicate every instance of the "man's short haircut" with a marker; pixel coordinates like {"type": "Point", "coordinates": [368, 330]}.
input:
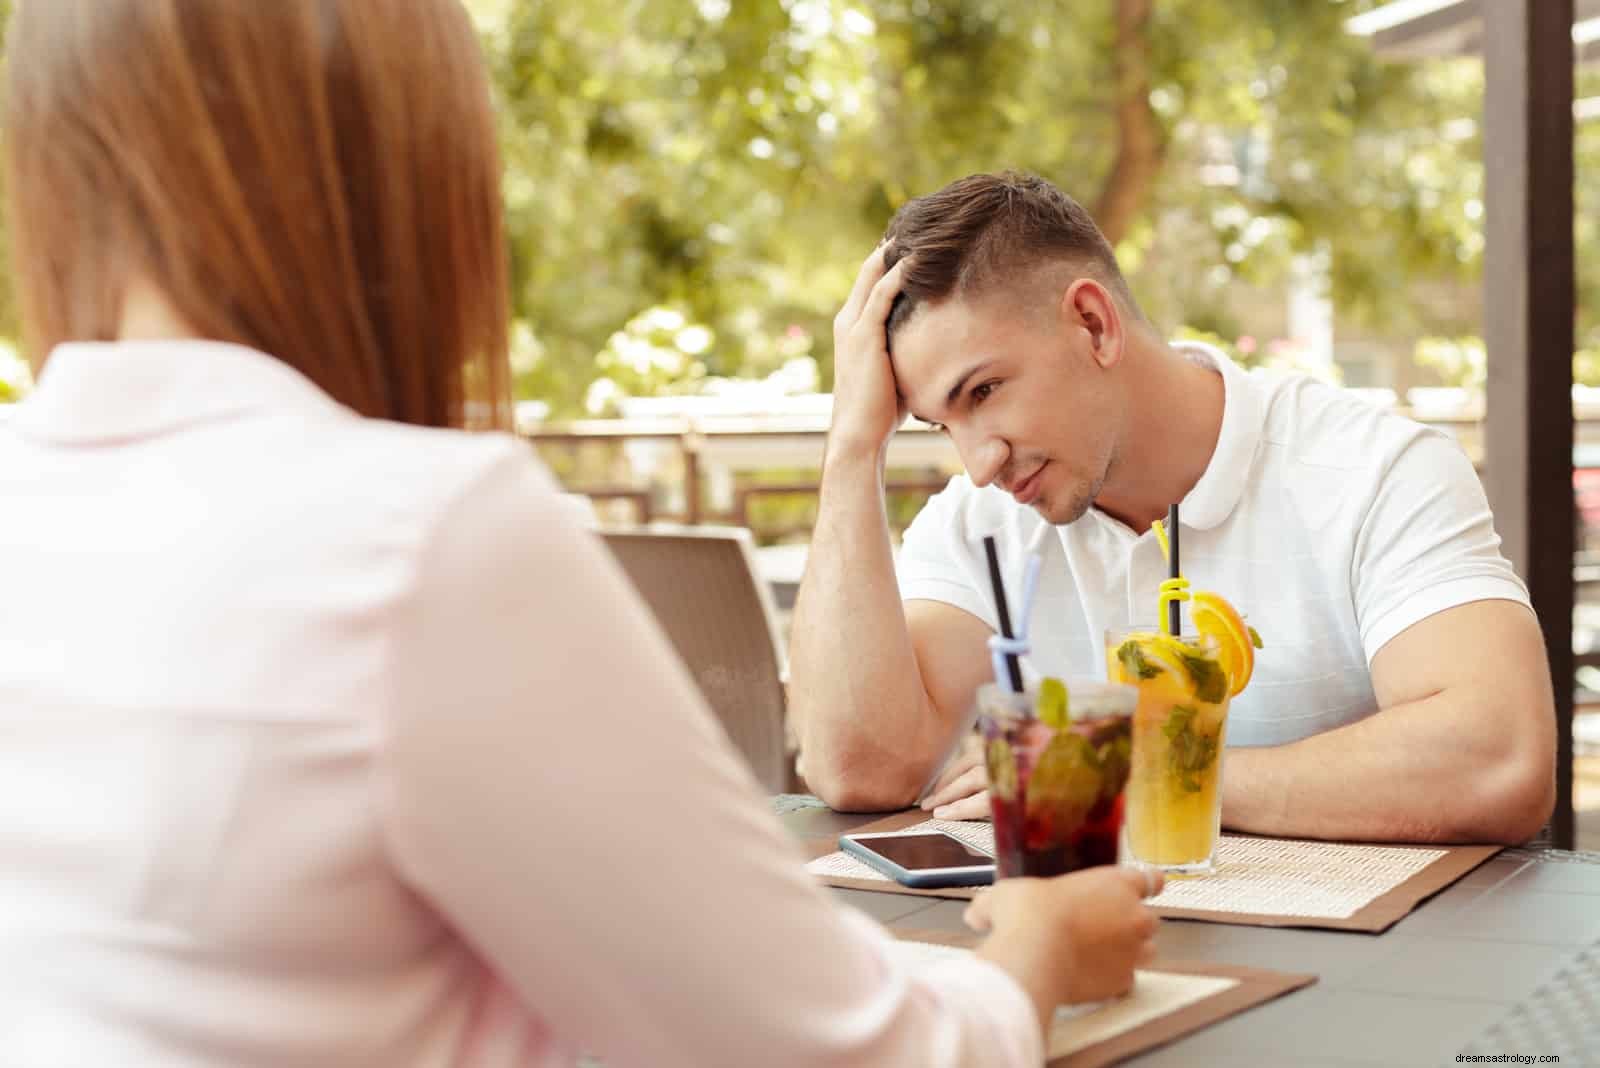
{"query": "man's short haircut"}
{"type": "Point", "coordinates": [983, 231]}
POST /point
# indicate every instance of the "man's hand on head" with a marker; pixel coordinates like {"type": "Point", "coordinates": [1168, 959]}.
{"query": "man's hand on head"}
{"type": "Point", "coordinates": [866, 406]}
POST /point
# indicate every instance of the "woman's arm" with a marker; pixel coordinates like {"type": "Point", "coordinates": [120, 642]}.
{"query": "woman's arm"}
{"type": "Point", "coordinates": [557, 787]}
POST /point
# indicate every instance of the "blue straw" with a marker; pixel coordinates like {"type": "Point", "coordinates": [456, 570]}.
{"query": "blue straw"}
{"type": "Point", "coordinates": [1005, 648]}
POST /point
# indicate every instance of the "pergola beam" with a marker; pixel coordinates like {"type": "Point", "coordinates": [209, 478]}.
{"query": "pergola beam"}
{"type": "Point", "coordinates": [1420, 29]}
{"type": "Point", "coordinates": [1529, 294]}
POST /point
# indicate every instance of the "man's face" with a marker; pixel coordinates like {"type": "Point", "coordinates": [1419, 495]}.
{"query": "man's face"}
{"type": "Point", "coordinates": [1019, 393]}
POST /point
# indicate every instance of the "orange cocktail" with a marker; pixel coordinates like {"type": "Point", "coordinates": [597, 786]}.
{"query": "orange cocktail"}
{"type": "Point", "coordinates": [1174, 796]}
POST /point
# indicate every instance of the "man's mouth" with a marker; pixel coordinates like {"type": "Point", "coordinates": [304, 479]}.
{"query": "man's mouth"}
{"type": "Point", "coordinates": [1025, 491]}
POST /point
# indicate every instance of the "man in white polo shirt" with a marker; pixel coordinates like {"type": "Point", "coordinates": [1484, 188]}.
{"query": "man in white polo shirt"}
{"type": "Point", "coordinates": [1403, 693]}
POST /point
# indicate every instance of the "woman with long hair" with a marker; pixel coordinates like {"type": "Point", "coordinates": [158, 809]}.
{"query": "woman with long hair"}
{"type": "Point", "coordinates": [325, 737]}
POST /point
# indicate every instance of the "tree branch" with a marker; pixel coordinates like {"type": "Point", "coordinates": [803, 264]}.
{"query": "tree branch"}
{"type": "Point", "coordinates": [1140, 145]}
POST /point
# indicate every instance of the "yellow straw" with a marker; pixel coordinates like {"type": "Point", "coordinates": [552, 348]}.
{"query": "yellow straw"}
{"type": "Point", "coordinates": [1161, 536]}
{"type": "Point", "coordinates": [1176, 589]}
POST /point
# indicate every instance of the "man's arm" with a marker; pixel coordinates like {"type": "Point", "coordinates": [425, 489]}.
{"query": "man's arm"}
{"type": "Point", "coordinates": [877, 688]}
{"type": "Point", "coordinates": [1463, 749]}
{"type": "Point", "coordinates": [871, 728]}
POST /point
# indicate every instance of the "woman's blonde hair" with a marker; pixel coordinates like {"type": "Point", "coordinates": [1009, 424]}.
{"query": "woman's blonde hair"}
{"type": "Point", "coordinates": [317, 179]}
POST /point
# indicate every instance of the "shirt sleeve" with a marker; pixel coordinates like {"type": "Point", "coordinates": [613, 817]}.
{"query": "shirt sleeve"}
{"type": "Point", "coordinates": [1428, 543]}
{"type": "Point", "coordinates": [555, 786]}
{"type": "Point", "coordinates": [936, 561]}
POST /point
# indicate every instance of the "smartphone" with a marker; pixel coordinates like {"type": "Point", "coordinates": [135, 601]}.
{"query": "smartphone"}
{"type": "Point", "coordinates": [924, 859]}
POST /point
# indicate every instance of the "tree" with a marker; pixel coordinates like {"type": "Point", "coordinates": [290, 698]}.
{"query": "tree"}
{"type": "Point", "coordinates": [9, 326]}
{"type": "Point", "coordinates": [734, 161]}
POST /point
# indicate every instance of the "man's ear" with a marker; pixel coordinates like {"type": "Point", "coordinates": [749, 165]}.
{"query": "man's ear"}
{"type": "Point", "coordinates": [1088, 307]}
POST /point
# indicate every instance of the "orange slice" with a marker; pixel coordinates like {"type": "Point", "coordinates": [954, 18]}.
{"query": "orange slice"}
{"type": "Point", "coordinates": [1214, 616]}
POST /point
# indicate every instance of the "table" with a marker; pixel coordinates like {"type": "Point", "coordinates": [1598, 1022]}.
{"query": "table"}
{"type": "Point", "coordinates": [1460, 971]}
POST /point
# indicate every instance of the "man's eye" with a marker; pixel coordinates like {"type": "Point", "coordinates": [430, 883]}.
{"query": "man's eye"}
{"type": "Point", "coordinates": [981, 393]}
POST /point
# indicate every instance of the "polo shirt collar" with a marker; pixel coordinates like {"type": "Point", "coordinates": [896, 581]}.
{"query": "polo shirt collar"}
{"type": "Point", "coordinates": [1214, 497]}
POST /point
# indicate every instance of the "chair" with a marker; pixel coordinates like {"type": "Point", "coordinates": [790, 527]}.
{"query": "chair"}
{"type": "Point", "coordinates": [703, 587]}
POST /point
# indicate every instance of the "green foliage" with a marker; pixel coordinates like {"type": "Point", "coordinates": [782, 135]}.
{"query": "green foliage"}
{"type": "Point", "coordinates": [734, 162]}
{"type": "Point", "coordinates": [1458, 361]}
{"type": "Point", "coordinates": [1463, 361]}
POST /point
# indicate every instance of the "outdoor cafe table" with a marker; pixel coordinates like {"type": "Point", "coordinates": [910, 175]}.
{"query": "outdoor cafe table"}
{"type": "Point", "coordinates": [1461, 970]}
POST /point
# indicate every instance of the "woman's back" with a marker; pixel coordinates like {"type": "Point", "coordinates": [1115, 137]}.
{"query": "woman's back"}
{"type": "Point", "coordinates": [331, 740]}
{"type": "Point", "coordinates": [325, 740]}
{"type": "Point", "coordinates": [205, 558]}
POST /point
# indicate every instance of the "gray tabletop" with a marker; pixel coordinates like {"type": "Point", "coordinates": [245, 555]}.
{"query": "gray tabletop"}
{"type": "Point", "coordinates": [1507, 960]}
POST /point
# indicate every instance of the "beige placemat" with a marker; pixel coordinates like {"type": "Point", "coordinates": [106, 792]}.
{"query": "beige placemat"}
{"type": "Point", "coordinates": [1270, 882]}
{"type": "Point", "coordinates": [1169, 1000]}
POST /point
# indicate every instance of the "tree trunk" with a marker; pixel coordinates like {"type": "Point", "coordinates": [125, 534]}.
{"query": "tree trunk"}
{"type": "Point", "coordinates": [1140, 146]}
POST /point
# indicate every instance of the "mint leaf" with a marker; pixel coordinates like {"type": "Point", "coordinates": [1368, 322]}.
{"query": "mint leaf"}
{"type": "Point", "coordinates": [1115, 760]}
{"type": "Point", "coordinates": [1052, 706]}
{"type": "Point", "coordinates": [1188, 753]}
{"type": "Point", "coordinates": [1178, 721]}
{"type": "Point", "coordinates": [1002, 769]}
{"type": "Point", "coordinates": [1210, 681]}
{"type": "Point", "coordinates": [1134, 663]}
{"type": "Point", "coordinates": [1065, 780]}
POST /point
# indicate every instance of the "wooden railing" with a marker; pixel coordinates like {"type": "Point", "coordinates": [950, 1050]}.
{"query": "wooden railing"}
{"type": "Point", "coordinates": [725, 465]}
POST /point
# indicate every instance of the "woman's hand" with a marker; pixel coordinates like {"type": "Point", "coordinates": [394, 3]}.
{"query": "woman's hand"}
{"type": "Point", "coordinates": [1072, 938]}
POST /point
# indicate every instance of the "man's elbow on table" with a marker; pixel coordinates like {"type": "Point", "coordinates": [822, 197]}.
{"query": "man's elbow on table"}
{"type": "Point", "coordinates": [1514, 799]}
{"type": "Point", "coordinates": [1507, 794]}
{"type": "Point", "coordinates": [861, 778]}
{"type": "Point", "coordinates": [1476, 682]}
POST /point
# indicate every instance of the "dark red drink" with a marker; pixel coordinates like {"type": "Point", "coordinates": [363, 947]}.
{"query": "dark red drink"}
{"type": "Point", "coordinates": [1055, 786]}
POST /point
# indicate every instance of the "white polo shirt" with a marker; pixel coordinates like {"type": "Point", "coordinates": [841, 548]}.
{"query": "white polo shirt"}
{"type": "Point", "coordinates": [1333, 525]}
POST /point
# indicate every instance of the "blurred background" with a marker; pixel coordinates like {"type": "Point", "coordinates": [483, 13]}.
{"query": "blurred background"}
{"type": "Point", "coordinates": [692, 184]}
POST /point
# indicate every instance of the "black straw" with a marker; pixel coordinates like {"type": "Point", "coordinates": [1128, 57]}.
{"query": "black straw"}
{"type": "Point", "coordinates": [1174, 620]}
{"type": "Point", "coordinates": [1012, 667]}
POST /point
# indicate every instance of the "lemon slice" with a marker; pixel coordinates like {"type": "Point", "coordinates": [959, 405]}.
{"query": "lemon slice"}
{"type": "Point", "coordinates": [1236, 642]}
{"type": "Point", "coordinates": [1145, 657]}
{"type": "Point", "coordinates": [1169, 652]}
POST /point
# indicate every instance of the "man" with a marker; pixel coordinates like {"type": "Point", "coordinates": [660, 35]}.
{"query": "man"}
{"type": "Point", "coordinates": [1403, 694]}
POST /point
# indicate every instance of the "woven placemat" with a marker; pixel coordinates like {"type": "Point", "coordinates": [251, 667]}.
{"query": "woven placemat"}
{"type": "Point", "coordinates": [1169, 1000]}
{"type": "Point", "coordinates": [1268, 882]}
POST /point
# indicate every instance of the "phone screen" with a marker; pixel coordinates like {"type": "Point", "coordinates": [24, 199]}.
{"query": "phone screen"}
{"type": "Point", "coordinates": [922, 852]}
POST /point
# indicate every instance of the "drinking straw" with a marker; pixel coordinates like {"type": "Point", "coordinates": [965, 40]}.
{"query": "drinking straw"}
{"type": "Point", "coordinates": [1005, 663]}
{"type": "Point", "coordinates": [1033, 556]}
{"type": "Point", "coordinates": [1174, 621]}
{"type": "Point", "coordinates": [1176, 588]}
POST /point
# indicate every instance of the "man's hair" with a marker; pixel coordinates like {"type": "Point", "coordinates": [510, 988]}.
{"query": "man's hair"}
{"type": "Point", "coordinates": [316, 179]}
{"type": "Point", "coordinates": [986, 229]}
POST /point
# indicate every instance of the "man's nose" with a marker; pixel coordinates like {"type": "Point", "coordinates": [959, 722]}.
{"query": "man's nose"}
{"type": "Point", "coordinates": [984, 456]}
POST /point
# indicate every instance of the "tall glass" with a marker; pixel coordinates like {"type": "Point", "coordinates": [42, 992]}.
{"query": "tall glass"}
{"type": "Point", "coordinates": [1179, 729]}
{"type": "Point", "coordinates": [1056, 783]}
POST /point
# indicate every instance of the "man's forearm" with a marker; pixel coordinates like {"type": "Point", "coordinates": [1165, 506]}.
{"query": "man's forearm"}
{"type": "Point", "coordinates": [855, 692]}
{"type": "Point", "coordinates": [1424, 771]}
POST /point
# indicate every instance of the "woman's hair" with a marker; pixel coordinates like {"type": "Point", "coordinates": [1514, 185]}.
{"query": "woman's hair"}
{"type": "Point", "coordinates": [317, 179]}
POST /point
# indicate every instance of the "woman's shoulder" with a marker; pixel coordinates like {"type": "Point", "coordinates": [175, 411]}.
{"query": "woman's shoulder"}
{"type": "Point", "coordinates": [395, 484]}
